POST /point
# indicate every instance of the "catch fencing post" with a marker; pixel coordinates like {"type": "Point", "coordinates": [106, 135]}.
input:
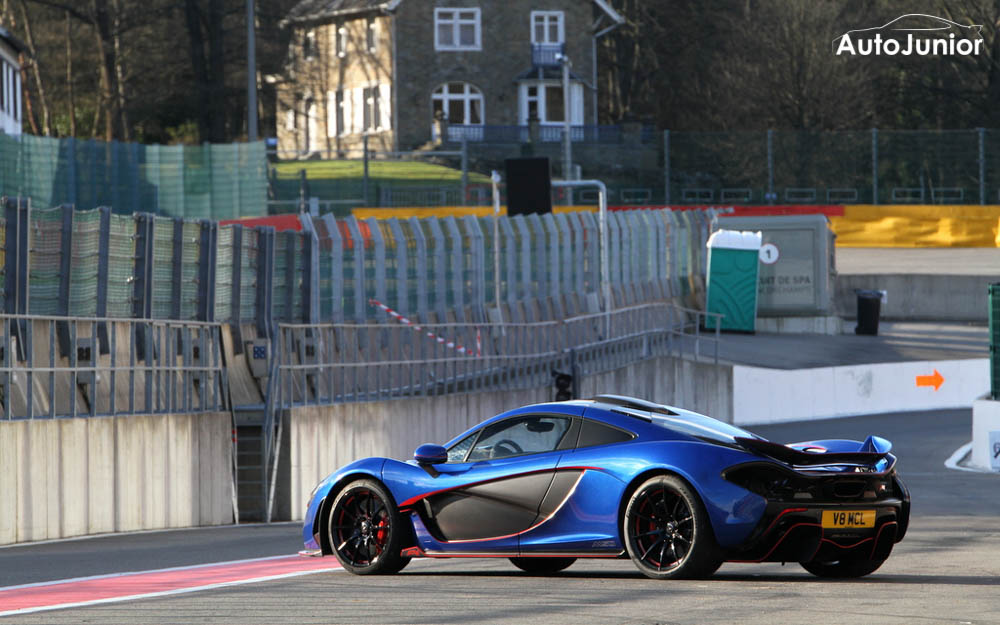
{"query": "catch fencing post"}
{"type": "Point", "coordinates": [71, 170]}
{"type": "Point", "coordinates": [465, 171]}
{"type": "Point", "coordinates": [874, 165]}
{"type": "Point", "coordinates": [236, 288]}
{"type": "Point", "coordinates": [421, 267]}
{"type": "Point", "coordinates": [982, 165]}
{"type": "Point", "coordinates": [364, 181]}
{"type": "Point", "coordinates": [771, 197]}
{"type": "Point", "coordinates": [666, 167]}
{"type": "Point", "coordinates": [206, 270]}
{"type": "Point", "coordinates": [265, 277]}
{"type": "Point", "coordinates": [103, 259]}
{"type": "Point", "coordinates": [65, 273]}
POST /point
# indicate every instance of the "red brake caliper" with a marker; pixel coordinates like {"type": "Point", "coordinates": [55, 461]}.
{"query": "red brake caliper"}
{"type": "Point", "coordinates": [382, 533]}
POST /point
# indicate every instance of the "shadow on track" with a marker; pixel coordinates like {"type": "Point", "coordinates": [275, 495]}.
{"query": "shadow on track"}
{"type": "Point", "coordinates": [756, 578]}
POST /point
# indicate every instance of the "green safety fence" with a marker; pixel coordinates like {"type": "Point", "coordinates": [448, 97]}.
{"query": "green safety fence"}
{"type": "Point", "coordinates": [205, 181]}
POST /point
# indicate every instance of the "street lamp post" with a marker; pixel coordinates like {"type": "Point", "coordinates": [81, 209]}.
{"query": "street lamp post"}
{"type": "Point", "coordinates": [567, 124]}
{"type": "Point", "coordinates": [251, 73]}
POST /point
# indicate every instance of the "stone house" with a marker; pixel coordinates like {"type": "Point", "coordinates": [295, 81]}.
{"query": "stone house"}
{"type": "Point", "coordinates": [405, 72]}
{"type": "Point", "coordinates": [11, 50]}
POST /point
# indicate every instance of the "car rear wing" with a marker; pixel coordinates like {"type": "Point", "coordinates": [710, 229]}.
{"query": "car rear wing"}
{"type": "Point", "coordinates": [799, 458]}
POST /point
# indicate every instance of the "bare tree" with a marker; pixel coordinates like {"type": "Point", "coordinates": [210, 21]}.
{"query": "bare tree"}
{"type": "Point", "coordinates": [43, 101]}
{"type": "Point", "coordinates": [71, 100]}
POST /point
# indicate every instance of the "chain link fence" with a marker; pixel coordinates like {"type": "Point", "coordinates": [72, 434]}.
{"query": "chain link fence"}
{"type": "Point", "coordinates": [833, 167]}
{"type": "Point", "coordinates": [644, 167]}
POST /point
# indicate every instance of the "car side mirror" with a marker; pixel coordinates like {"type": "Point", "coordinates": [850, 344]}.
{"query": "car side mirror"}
{"type": "Point", "coordinates": [430, 454]}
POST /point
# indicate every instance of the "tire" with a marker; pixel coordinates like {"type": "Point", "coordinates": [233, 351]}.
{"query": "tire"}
{"type": "Point", "coordinates": [366, 530]}
{"type": "Point", "coordinates": [542, 566]}
{"type": "Point", "coordinates": [667, 532]}
{"type": "Point", "coordinates": [846, 569]}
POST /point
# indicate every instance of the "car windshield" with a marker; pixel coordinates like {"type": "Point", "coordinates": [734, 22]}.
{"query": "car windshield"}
{"type": "Point", "coordinates": [702, 427]}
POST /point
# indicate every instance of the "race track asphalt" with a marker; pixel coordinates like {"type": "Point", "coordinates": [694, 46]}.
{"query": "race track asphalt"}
{"type": "Point", "coordinates": [947, 570]}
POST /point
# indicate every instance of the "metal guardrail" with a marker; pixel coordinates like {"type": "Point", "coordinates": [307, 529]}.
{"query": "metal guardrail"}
{"type": "Point", "coordinates": [335, 363]}
{"type": "Point", "coordinates": [74, 366]}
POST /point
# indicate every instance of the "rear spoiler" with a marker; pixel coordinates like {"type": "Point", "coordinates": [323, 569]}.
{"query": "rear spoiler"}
{"type": "Point", "coordinates": [795, 457]}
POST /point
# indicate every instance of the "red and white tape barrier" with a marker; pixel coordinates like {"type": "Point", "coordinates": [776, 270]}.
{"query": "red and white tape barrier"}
{"type": "Point", "coordinates": [455, 346]}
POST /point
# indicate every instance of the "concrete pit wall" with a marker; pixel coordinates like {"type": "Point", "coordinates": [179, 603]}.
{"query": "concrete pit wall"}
{"type": "Point", "coordinates": [319, 439]}
{"type": "Point", "coordinates": [918, 297]}
{"type": "Point", "coordinates": [71, 477]}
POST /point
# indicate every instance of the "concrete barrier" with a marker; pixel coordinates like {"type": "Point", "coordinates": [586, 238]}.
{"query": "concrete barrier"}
{"type": "Point", "coordinates": [985, 420]}
{"type": "Point", "coordinates": [775, 395]}
{"type": "Point", "coordinates": [918, 297]}
{"type": "Point", "coordinates": [320, 439]}
{"type": "Point", "coordinates": [71, 477]}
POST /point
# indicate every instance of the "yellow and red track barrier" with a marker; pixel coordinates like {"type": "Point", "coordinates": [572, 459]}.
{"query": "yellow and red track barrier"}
{"type": "Point", "coordinates": [899, 225]}
{"type": "Point", "coordinates": [907, 225]}
{"type": "Point", "coordinates": [856, 225]}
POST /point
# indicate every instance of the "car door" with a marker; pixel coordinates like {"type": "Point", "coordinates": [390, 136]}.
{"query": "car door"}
{"type": "Point", "coordinates": [495, 480]}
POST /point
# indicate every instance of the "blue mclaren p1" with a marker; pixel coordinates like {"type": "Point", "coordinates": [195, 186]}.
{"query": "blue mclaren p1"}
{"type": "Point", "coordinates": [616, 477]}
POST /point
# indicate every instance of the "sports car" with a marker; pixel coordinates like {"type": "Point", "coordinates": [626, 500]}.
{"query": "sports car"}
{"type": "Point", "coordinates": [615, 477]}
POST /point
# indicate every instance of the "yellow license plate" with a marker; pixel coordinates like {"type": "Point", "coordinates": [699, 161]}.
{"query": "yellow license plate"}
{"type": "Point", "coordinates": [843, 519]}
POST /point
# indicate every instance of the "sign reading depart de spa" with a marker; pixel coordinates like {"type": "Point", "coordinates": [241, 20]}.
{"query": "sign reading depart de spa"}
{"type": "Point", "coordinates": [913, 34]}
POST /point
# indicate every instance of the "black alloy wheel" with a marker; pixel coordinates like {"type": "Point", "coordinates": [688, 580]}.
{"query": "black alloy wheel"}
{"type": "Point", "coordinates": [667, 531]}
{"type": "Point", "coordinates": [365, 529]}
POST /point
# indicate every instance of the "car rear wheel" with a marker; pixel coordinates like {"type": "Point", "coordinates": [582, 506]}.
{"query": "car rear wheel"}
{"type": "Point", "coordinates": [365, 529]}
{"type": "Point", "coordinates": [667, 531]}
{"type": "Point", "coordinates": [542, 566]}
{"type": "Point", "coordinates": [844, 569]}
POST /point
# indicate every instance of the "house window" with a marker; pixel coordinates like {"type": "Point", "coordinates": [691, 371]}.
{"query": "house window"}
{"type": "Point", "coordinates": [341, 42]}
{"type": "Point", "coordinates": [544, 101]}
{"type": "Point", "coordinates": [309, 44]}
{"type": "Point", "coordinates": [372, 118]}
{"type": "Point", "coordinates": [457, 29]}
{"type": "Point", "coordinates": [336, 113]}
{"type": "Point", "coordinates": [458, 102]}
{"type": "Point", "coordinates": [338, 108]}
{"type": "Point", "coordinates": [370, 34]}
{"type": "Point", "coordinates": [547, 27]}
{"type": "Point", "coordinates": [555, 110]}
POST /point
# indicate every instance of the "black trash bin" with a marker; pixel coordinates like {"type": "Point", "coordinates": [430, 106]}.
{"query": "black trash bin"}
{"type": "Point", "coordinates": [869, 305]}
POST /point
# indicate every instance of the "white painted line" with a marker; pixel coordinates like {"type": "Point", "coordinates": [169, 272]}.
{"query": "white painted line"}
{"type": "Point", "coordinates": [958, 456]}
{"type": "Point", "coordinates": [141, 532]}
{"type": "Point", "coordinates": [167, 593]}
{"type": "Point", "coordinates": [187, 567]}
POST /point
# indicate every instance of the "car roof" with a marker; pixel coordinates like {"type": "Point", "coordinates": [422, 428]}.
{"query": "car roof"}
{"type": "Point", "coordinates": [646, 418]}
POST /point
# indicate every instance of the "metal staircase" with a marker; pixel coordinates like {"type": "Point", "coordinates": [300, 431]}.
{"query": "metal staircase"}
{"type": "Point", "coordinates": [257, 433]}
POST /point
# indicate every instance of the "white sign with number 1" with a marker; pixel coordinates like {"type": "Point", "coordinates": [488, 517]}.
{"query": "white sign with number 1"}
{"type": "Point", "coordinates": [769, 253]}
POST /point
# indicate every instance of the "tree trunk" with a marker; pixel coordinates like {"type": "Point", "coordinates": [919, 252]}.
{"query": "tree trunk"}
{"type": "Point", "coordinates": [69, 78]}
{"type": "Point", "coordinates": [196, 48]}
{"type": "Point", "coordinates": [106, 52]}
{"type": "Point", "coordinates": [126, 133]}
{"type": "Point", "coordinates": [36, 72]}
{"type": "Point", "coordinates": [28, 109]}
{"type": "Point", "coordinates": [217, 68]}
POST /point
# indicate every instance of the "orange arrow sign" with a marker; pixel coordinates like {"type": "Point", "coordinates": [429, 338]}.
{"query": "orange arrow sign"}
{"type": "Point", "coordinates": [935, 380]}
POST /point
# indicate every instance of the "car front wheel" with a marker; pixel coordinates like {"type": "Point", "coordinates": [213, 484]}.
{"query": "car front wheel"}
{"type": "Point", "coordinates": [365, 529]}
{"type": "Point", "coordinates": [667, 531]}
